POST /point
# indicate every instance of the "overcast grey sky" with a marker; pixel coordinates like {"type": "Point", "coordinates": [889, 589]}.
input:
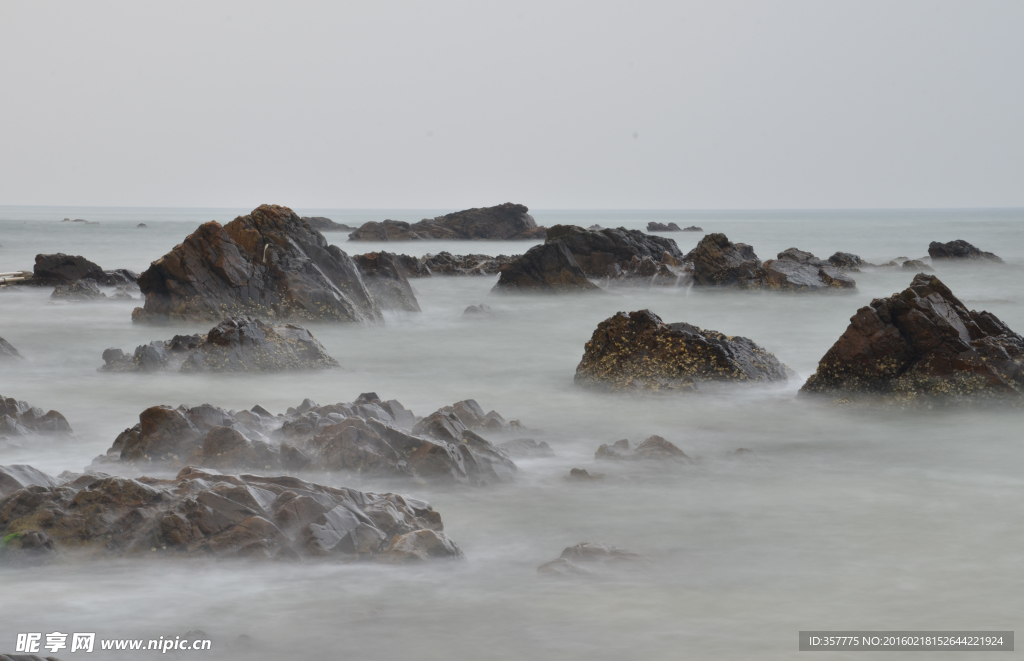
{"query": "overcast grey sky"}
{"type": "Point", "coordinates": [767, 104]}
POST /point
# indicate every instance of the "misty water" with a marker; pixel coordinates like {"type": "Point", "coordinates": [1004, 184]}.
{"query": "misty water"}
{"type": "Point", "coordinates": [841, 518]}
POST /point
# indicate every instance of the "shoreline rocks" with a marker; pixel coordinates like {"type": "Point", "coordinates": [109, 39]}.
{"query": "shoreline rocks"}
{"type": "Point", "coordinates": [638, 351]}
{"type": "Point", "coordinates": [19, 418]}
{"type": "Point", "coordinates": [959, 250]}
{"type": "Point", "coordinates": [922, 343]}
{"type": "Point", "coordinates": [237, 344]}
{"type": "Point", "coordinates": [503, 222]}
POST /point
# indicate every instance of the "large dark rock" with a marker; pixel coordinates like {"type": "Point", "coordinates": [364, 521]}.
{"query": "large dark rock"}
{"type": "Point", "coordinates": [368, 436]}
{"type": "Point", "coordinates": [269, 264]}
{"type": "Point", "coordinates": [717, 261]}
{"type": "Point", "coordinates": [504, 222]}
{"type": "Point", "coordinates": [237, 344]}
{"type": "Point", "coordinates": [959, 249]}
{"type": "Point", "coordinates": [7, 350]}
{"type": "Point", "coordinates": [663, 227]}
{"type": "Point", "coordinates": [384, 275]}
{"type": "Point", "coordinates": [846, 261]}
{"type": "Point", "coordinates": [61, 269]}
{"type": "Point", "coordinates": [608, 251]}
{"type": "Point", "coordinates": [797, 270]}
{"type": "Point", "coordinates": [18, 418]}
{"type": "Point", "coordinates": [549, 267]}
{"type": "Point", "coordinates": [321, 224]}
{"type": "Point", "coordinates": [923, 342]}
{"type": "Point", "coordinates": [639, 351]}
{"type": "Point", "coordinates": [201, 513]}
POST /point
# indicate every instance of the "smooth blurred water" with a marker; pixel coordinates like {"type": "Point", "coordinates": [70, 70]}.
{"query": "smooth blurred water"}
{"type": "Point", "coordinates": [842, 519]}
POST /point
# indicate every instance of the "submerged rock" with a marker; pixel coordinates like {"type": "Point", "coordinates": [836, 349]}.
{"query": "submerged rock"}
{"type": "Point", "coordinates": [663, 227]}
{"type": "Point", "coordinates": [7, 350]}
{"type": "Point", "coordinates": [584, 558]}
{"type": "Point", "coordinates": [18, 418]}
{"type": "Point", "coordinates": [504, 222]}
{"type": "Point", "coordinates": [269, 264]}
{"type": "Point", "coordinates": [61, 269]}
{"type": "Point", "coordinates": [384, 275]}
{"type": "Point", "coordinates": [237, 344]}
{"type": "Point", "coordinates": [367, 436]}
{"type": "Point", "coordinates": [321, 224]}
{"type": "Point", "coordinates": [205, 513]}
{"type": "Point", "coordinates": [959, 249]}
{"type": "Point", "coordinates": [639, 351]}
{"type": "Point", "coordinates": [549, 267]}
{"type": "Point", "coordinates": [526, 447]}
{"type": "Point", "coordinates": [475, 310]}
{"type": "Point", "coordinates": [653, 448]}
{"type": "Point", "coordinates": [82, 290]}
{"type": "Point", "coordinates": [923, 342]}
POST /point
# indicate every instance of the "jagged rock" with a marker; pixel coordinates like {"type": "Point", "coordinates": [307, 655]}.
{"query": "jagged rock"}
{"type": "Point", "coordinates": [60, 269]}
{"type": "Point", "coordinates": [269, 264]}
{"type": "Point", "coordinates": [597, 253]}
{"type": "Point", "coordinates": [321, 224]}
{"type": "Point", "coordinates": [549, 267]}
{"type": "Point", "coordinates": [583, 558]}
{"type": "Point", "coordinates": [662, 227]}
{"type": "Point", "coordinates": [959, 249]}
{"type": "Point", "coordinates": [205, 513]}
{"type": "Point", "coordinates": [720, 262]}
{"type": "Point", "coordinates": [846, 261]}
{"type": "Point", "coordinates": [368, 436]}
{"type": "Point", "coordinates": [7, 350]}
{"type": "Point", "coordinates": [505, 221]}
{"type": "Point", "coordinates": [18, 418]}
{"type": "Point", "coordinates": [716, 261]}
{"type": "Point", "coordinates": [81, 290]}
{"type": "Point", "coordinates": [237, 344]}
{"type": "Point", "coordinates": [797, 270]}
{"type": "Point", "coordinates": [526, 447]}
{"type": "Point", "coordinates": [692, 228]}
{"type": "Point", "coordinates": [923, 342]}
{"type": "Point", "coordinates": [638, 351]}
{"type": "Point", "coordinates": [19, 476]}
{"type": "Point", "coordinates": [384, 275]}
{"type": "Point", "coordinates": [654, 447]}
{"type": "Point", "coordinates": [445, 263]}
{"type": "Point", "coordinates": [474, 310]}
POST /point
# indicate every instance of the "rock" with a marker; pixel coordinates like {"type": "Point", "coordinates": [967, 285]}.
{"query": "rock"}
{"type": "Point", "coordinates": [662, 227]}
{"type": "Point", "coordinates": [959, 249]}
{"type": "Point", "coordinates": [581, 475]}
{"type": "Point", "coordinates": [716, 261]}
{"type": "Point", "coordinates": [720, 262]}
{"type": "Point", "coordinates": [797, 270]}
{"type": "Point", "coordinates": [18, 418]}
{"type": "Point", "coordinates": [384, 276]}
{"type": "Point", "coordinates": [846, 261]}
{"type": "Point", "coordinates": [80, 220]}
{"type": "Point", "coordinates": [692, 228]}
{"type": "Point", "coordinates": [654, 447]}
{"type": "Point", "coordinates": [445, 263]}
{"type": "Point", "coordinates": [583, 558]}
{"type": "Point", "coordinates": [80, 291]}
{"type": "Point", "coordinates": [597, 253]}
{"type": "Point", "coordinates": [595, 228]}
{"type": "Point", "coordinates": [7, 350]}
{"type": "Point", "coordinates": [204, 513]}
{"type": "Point", "coordinates": [549, 267]}
{"type": "Point", "coordinates": [563, 567]}
{"type": "Point", "coordinates": [237, 344]}
{"type": "Point", "coordinates": [141, 225]}
{"type": "Point", "coordinates": [123, 292]}
{"type": "Point", "coordinates": [915, 265]}
{"type": "Point", "coordinates": [368, 436]}
{"type": "Point", "coordinates": [503, 222]}
{"type": "Point", "coordinates": [639, 351]}
{"type": "Point", "coordinates": [19, 476]}
{"type": "Point", "coordinates": [474, 310]}
{"type": "Point", "coordinates": [268, 264]}
{"type": "Point", "coordinates": [526, 448]}
{"type": "Point", "coordinates": [60, 269]}
{"type": "Point", "coordinates": [321, 224]}
{"type": "Point", "coordinates": [923, 343]}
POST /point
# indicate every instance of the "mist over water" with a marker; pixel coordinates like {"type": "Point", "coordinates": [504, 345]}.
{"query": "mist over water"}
{"type": "Point", "coordinates": [842, 518]}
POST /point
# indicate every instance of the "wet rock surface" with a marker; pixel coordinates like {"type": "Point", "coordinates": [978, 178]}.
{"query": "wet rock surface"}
{"type": "Point", "coordinates": [797, 270]}
{"type": "Point", "coordinates": [846, 261]}
{"type": "Point", "coordinates": [19, 476]}
{"type": "Point", "coordinates": [549, 268]}
{"type": "Point", "coordinates": [7, 351]}
{"type": "Point", "coordinates": [608, 252]}
{"type": "Point", "coordinates": [716, 261]}
{"type": "Point", "coordinates": [503, 222]}
{"type": "Point", "coordinates": [269, 264]}
{"type": "Point", "coordinates": [368, 436]}
{"type": "Point", "coordinates": [237, 344]}
{"type": "Point", "coordinates": [58, 269]}
{"type": "Point", "coordinates": [19, 418]}
{"type": "Point", "coordinates": [653, 448]}
{"type": "Point", "coordinates": [959, 249]}
{"type": "Point", "coordinates": [321, 224]}
{"type": "Point", "coordinates": [384, 276]}
{"type": "Point", "coordinates": [923, 342]}
{"type": "Point", "coordinates": [205, 513]}
{"type": "Point", "coordinates": [639, 351]}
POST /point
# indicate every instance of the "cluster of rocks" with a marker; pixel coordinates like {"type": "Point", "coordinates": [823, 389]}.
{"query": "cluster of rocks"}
{"type": "Point", "coordinates": [367, 436]}
{"type": "Point", "coordinates": [923, 342]}
{"type": "Point", "coordinates": [237, 344]}
{"type": "Point", "coordinates": [321, 224]}
{"type": "Point", "coordinates": [638, 351]}
{"type": "Point", "coordinates": [503, 222]}
{"type": "Point", "coordinates": [18, 418]}
{"type": "Point", "coordinates": [269, 264]}
{"type": "Point", "coordinates": [671, 227]}
{"type": "Point", "coordinates": [205, 513]}
{"type": "Point", "coordinates": [588, 558]}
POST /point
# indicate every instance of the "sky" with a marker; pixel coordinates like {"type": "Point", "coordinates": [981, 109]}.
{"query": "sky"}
{"type": "Point", "coordinates": [592, 105]}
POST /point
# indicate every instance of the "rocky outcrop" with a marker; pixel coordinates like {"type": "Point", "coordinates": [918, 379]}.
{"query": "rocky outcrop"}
{"type": "Point", "coordinates": [19, 476]}
{"type": "Point", "coordinates": [717, 261]}
{"type": "Point", "coordinates": [548, 268]}
{"type": "Point", "coordinates": [639, 351]}
{"type": "Point", "coordinates": [81, 290]}
{"type": "Point", "coordinates": [368, 436]}
{"type": "Point", "coordinates": [959, 249]}
{"type": "Point", "coordinates": [18, 418]}
{"type": "Point", "coordinates": [504, 222]}
{"type": "Point", "coordinates": [584, 559]}
{"type": "Point", "coordinates": [384, 276]}
{"type": "Point", "coordinates": [321, 224]}
{"type": "Point", "coordinates": [206, 514]}
{"type": "Point", "coordinates": [923, 343]}
{"type": "Point", "coordinates": [7, 351]}
{"type": "Point", "coordinates": [653, 448]}
{"type": "Point", "coordinates": [797, 270]}
{"type": "Point", "coordinates": [847, 261]}
{"type": "Point", "coordinates": [610, 251]}
{"type": "Point", "coordinates": [237, 344]}
{"type": "Point", "coordinates": [268, 264]}
{"type": "Point", "coordinates": [663, 227]}
{"type": "Point", "coordinates": [61, 269]}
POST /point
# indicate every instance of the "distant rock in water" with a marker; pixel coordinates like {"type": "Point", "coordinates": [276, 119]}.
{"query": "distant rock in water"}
{"type": "Point", "coordinates": [78, 291]}
{"type": "Point", "coordinates": [652, 448]}
{"type": "Point", "coordinates": [692, 228]}
{"type": "Point", "coordinates": [610, 251]}
{"type": "Point", "coordinates": [237, 344]}
{"type": "Point", "coordinates": [923, 342]}
{"type": "Point", "coordinates": [207, 514]}
{"type": "Point", "coordinates": [639, 351]}
{"type": "Point", "coordinates": [322, 224]}
{"type": "Point", "coordinates": [474, 310]}
{"type": "Point", "coordinates": [914, 265]}
{"type": "Point", "coordinates": [268, 264]}
{"type": "Point", "coordinates": [583, 559]}
{"type": "Point", "coordinates": [797, 270]}
{"type": "Point", "coordinates": [846, 261]}
{"type": "Point", "coordinates": [19, 418]}
{"type": "Point", "coordinates": [7, 351]}
{"type": "Point", "coordinates": [504, 222]}
{"type": "Point", "coordinates": [384, 276]}
{"type": "Point", "coordinates": [959, 249]}
{"type": "Point", "coordinates": [58, 269]}
{"type": "Point", "coordinates": [548, 268]}
{"type": "Point", "coordinates": [141, 225]}
{"type": "Point", "coordinates": [662, 227]}
{"type": "Point", "coordinates": [716, 261]}
{"type": "Point", "coordinates": [445, 263]}
{"type": "Point", "coordinates": [81, 220]}
{"type": "Point", "coordinates": [368, 436]}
